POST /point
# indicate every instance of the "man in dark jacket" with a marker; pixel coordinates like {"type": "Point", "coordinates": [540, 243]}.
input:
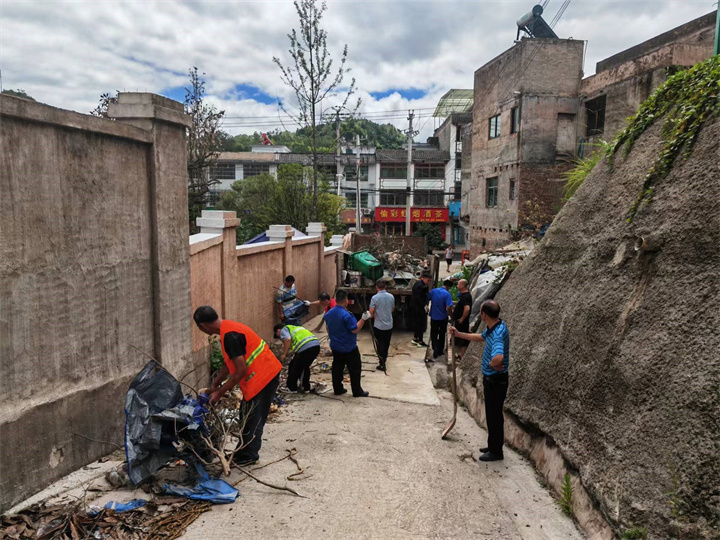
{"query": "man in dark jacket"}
{"type": "Point", "coordinates": [418, 308]}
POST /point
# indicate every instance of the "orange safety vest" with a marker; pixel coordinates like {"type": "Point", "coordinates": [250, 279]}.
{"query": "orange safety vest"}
{"type": "Point", "coordinates": [262, 366]}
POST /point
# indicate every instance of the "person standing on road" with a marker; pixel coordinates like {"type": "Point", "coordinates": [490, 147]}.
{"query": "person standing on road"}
{"type": "Point", "coordinates": [248, 363]}
{"type": "Point", "coordinates": [418, 308]}
{"type": "Point", "coordinates": [382, 306]}
{"type": "Point", "coordinates": [305, 348]}
{"type": "Point", "coordinates": [495, 364]}
{"type": "Point", "coordinates": [461, 316]}
{"type": "Point", "coordinates": [342, 330]}
{"type": "Point", "coordinates": [449, 253]}
{"type": "Point", "coordinates": [441, 303]}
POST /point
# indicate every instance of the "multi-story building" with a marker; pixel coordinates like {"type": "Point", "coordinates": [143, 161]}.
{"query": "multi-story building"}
{"type": "Point", "coordinates": [534, 113]}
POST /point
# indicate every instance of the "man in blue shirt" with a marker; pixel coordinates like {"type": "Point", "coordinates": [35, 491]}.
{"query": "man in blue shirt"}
{"type": "Point", "coordinates": [342, 330]}
{"type": "Point", "coordinates": [382, 306]}
{"type": "Point", "coordinates": [495, 364]}
{"type": "Point", "coordinates": [441, 304]}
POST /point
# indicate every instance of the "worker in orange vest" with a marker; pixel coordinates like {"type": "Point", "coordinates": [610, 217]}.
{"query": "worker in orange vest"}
{"type": "Point", "coordinates": [249, 363]}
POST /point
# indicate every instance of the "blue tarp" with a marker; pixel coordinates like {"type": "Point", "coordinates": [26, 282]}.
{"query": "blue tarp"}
{"type": "Point", "coordinates": [207, 489]}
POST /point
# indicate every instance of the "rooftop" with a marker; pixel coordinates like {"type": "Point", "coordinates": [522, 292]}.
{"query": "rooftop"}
{"type": "Point", "coordinates": [454, 101]}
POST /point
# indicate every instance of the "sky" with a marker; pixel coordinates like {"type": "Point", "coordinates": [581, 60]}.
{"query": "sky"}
{"type": "Point", "coordinates": [403, 54]}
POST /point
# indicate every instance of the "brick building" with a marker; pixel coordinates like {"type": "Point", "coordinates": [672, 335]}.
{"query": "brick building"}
{"type": "Point", "coordinates": [534, 113]}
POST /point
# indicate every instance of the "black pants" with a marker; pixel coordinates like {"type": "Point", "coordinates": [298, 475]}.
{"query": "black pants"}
{"type": "Point", "coordinates": [354, 364]}
{"type": "Point", "coordinates": [438, 332]}
{"type": "Point", "coordinates": [419, 322]}
{"type": "Point", "coordinates": [257, 410]}
{"type": "Point", "coordinates": [382, 338]}
{"type": "Point", "coordinates": [300, 365]}
{"type": "Point", "coordinates": [495, 388]}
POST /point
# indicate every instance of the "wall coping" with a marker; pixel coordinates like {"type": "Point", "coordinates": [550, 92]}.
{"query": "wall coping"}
{"type": "Point", "coordinates": [259, 247]}
{"type": "Point", "coordinates": [305, 240]}
{"type": "Point", "coordinates": [331, 249]}
{"type": "Point", "coordinates": [202, 241]}
{"type": "Point", "coordinates": [46, 114]}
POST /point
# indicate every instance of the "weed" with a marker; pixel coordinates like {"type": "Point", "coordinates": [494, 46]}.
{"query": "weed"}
{"type": "Point", "coordinates": [636, 533]}
{"type": "Point", "coordinates": [575, 177]}
{"type": "Point", "coordinates": [566, 496]}
{"type": "Point", "coordinates": [216, 356]}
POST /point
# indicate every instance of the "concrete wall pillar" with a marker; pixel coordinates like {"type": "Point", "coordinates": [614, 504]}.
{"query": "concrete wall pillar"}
{"type": "Point", "coordinates": [336, 240]}
{"type": "Point", "coordinates": [226, 224]}
{"type": "Point", "coordinates": [166, 121]}
{"type": "Point", "coordinates": [318, 229]}
{"type": "Point", "coordinates": [283, 233]}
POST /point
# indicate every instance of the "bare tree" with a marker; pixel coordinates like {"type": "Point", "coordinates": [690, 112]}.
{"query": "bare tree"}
{"type": "Point", "coordinates": [311, 76]}
{"type": "Point", "coordinates": [202, 141]}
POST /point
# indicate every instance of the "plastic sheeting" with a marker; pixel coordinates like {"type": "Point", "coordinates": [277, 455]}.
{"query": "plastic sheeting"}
{"type": "Point", "coordinates": [294, 313]}
{"type": "Point", "coordinates": [214, 490]}
{"type": "Point", "coordinates": [153, 412]}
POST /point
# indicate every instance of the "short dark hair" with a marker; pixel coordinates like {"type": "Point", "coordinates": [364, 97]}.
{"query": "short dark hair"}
{"type": "Point", "coordinates": [324, 296]}
{"type": "Point", "coordinates": [205, 314]}
{"type": "Point", "coordinates": [381, 284]}
{"type": "Point", "coordinates": [447, 283]}
{"type": "Point", "coordinates": [426, 274]}
{"type": "Point", "coordinates": [290, 278]}
{"type": "Point", "coordinates": [341, 296]}
{"type": "Point", "coordinates": [490, 308]}
{"type": "Point", "coordinates": [278, 326]}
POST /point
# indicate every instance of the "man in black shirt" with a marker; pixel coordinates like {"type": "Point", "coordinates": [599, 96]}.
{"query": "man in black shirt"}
{"type": "Point", "coordinates": [461, 315]}
{"type": "Point", "coordinates": [418, 308]}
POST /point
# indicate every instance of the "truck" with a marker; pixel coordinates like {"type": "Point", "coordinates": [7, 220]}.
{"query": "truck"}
{"type": "Point", "coordinates": [403, 259]}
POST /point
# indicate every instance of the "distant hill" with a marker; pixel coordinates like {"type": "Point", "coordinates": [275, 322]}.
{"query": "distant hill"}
{"type": "Point", "coordinates": [382, 136]}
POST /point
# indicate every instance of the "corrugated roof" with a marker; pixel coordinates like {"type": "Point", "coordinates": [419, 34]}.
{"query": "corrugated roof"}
{"type": "Point", "coordinates": [457, 100]}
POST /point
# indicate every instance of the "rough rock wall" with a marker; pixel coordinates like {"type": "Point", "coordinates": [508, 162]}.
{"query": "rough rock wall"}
{"type": "Point", "coordinates": [616, 353]}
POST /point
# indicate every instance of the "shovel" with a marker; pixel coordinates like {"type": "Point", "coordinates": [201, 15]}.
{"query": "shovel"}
{"type": "Point", "coordinates": [451, 352]}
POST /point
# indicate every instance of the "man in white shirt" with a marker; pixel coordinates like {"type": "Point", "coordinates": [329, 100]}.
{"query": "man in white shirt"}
{"type": "Point", "coordinates": [382, 306]}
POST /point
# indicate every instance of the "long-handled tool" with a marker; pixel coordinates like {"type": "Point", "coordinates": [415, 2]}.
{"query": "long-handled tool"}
{"type": "Point", "coordinates": [372, 332]}
{"type": "Point", "coordinates": [451, 352]}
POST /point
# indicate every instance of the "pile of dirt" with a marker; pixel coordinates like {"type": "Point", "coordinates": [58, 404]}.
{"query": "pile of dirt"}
{"type": "Point", "coordinates": [616, 352]}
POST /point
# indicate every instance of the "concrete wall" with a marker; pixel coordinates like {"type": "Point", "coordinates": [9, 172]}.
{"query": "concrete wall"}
{"type": "Point", "coordinates": [93, 257]}
{"type": "Point", "coordinates": [239, 281]}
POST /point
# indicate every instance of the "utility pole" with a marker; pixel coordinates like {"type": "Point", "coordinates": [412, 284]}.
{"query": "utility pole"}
{"type": "Point", "coordinates": [338, 174]}
{"type": "Point", "coordinates": [717, 31]}
{"type": "Point", "coordinates": [408, 196]}
{"type": "Point", "coordinates": [358, 213]}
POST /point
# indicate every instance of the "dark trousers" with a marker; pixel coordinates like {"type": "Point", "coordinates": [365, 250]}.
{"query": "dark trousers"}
{"type": "Point", "coordinates": [353, 361]}
{"type": "Point", "coordinates": [382, 338]}
{"type": "Point", "coordinates": [495, 388]}
{"type": "Point", "coordinates": [300, 365]}
{"type": "Point", "coordinates": [257, 410]}
{"type": "Point", "coordinates": [419, 322]}
{"type": "Point", "coordinates": [438, 332]}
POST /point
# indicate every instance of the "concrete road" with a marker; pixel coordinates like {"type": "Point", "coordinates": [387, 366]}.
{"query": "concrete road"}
{"type": "Point", "coordinates": [377, 468]}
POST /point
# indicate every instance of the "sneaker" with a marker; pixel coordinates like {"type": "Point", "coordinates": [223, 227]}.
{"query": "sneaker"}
{"type": "Point", "coordinates": [429, 360]}
{"type": "Point", "coordinates": [381, 367]}
{"type": "Point", "coordinates": [489, 456]}
{"type": "Point", "coordinates": [423, 344]}
{"type": "Point", "coordinates": [416, 343]}
{"type": "Point", "coordinates": [364, 394]}
{"type": "Point", "coordinates": [341, 392]}
{"type": "Point", "coordinates": [484, 450]}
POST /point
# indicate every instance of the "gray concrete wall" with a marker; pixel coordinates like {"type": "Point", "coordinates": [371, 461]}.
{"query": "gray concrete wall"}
{"type": "Point", "coordinates": [88, 241]}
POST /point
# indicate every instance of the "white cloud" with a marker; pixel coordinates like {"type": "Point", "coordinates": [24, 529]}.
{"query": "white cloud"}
{"type": "Point", "coordinates": [68, 53]}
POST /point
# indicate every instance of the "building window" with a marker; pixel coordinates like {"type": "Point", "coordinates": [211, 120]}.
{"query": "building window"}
{"type": "Point", "coordinates": [429, 198]}
{"type": "Point", "coordinates": [255, 169]}
{"type": "Point", "coordinates": [495, 127]}
{"type": "Point", "coordinates": [512, 190]}
{"type": "Point", "coordinates": [222, 170]}
{"type": "Point", "coordinates": [514, 119]}
{"type": "Point", "coordinates": [350, 171]}
{"type": "Point", "coordinates": [393, 198]}
{"type": "Point", "coordinates": [491, 199]}
{"type": "Point", "coordinates": [595, 114]}
{"type": "Point", "coordinates": [425, 171]}
{"type": "Point", "coordinates": [351, 197]}
{"type": "Point", "coordinates": [393, 170]}
{"type": "Point", "coordinates": [457, 193]}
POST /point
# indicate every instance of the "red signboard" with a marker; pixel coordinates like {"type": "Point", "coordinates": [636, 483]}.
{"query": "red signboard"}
{"type": "Point", "coordinates": [428, 215]}
{"type": "Point", "coordinates": [348, 217]}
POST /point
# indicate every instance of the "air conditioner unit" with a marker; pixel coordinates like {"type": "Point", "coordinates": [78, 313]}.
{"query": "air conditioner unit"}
{"type": "Point", "coordinates": [366, 212]}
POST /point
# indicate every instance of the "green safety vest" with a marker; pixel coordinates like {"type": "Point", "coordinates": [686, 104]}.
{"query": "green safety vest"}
{"type": "Point", "coordinates": [299, 336]}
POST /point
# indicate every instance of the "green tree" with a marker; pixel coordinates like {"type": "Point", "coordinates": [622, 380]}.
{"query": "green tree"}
{"type": "Point", "coordinates": [18, 93]}
{"type": "Point", "coordinates": [433, 234]}
{"type": "Point", "coordinates": [312, 77]}
{"type": "Point", "coordinates": [263, 200]}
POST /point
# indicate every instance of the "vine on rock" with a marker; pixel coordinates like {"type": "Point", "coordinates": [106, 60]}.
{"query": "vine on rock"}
{"type": "Point", "coordinates": [686, 101]}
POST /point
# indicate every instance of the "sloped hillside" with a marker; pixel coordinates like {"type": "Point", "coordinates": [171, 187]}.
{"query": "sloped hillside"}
{"type": "Point", "coordinates": [615, 353]}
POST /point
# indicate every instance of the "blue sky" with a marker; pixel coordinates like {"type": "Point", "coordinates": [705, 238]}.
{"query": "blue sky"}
{"type": "Point", "coordinates": [404, 54]}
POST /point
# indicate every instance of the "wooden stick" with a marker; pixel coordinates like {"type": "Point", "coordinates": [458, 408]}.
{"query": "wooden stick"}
{"type": "Point", "coordinates": [281, 488]}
